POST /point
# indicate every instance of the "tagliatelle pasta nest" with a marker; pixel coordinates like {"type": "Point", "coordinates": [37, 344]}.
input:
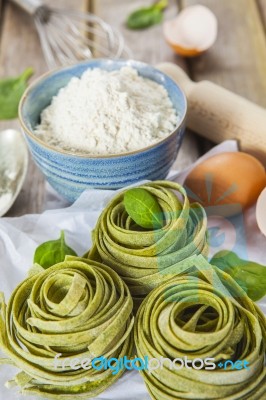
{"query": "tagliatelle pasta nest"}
{"type": "Point", "coordinates": [79, 309]}
{"type": "Point", "coordinates": [203, 314]}
{"type": "Point", "coordinates": [146, 258]}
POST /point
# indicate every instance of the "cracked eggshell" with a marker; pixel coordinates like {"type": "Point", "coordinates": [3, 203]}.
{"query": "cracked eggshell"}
{"type": "Point", "coordinates": [261, 212]}
{"type": "Point", "coordinates": [192, 32]}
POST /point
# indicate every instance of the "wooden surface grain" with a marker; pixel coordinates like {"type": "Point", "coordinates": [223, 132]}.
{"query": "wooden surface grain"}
{"type": "Point", "coordinates": [19, 39]}
{"type": "Point", "coordinates": [262, 11]}
{"type": "Point", "coordinates": [237, 61]}
{"type": "Point", "coordinates": [20, 48]}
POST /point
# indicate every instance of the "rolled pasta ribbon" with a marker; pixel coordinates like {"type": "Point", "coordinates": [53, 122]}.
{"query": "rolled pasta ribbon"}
{"type": "Point", "coordinates": [203, 314]}
{"type": "Point", "coordinates": [145, 258]}
{"type": "Point", "coordinates": [61, 318]}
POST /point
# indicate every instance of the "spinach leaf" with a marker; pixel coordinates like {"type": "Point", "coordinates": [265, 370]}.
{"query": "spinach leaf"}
{"type": "Point", "coordinates": [143, 208]}
{"type": "Point", "coordinates": [11, 91]}
{"type": "Point", "coordinates": [249, 275]}
{"type": "Point", "coordinates": [147, 16]}
{"type": "Point", "coordinates": [52, 252]}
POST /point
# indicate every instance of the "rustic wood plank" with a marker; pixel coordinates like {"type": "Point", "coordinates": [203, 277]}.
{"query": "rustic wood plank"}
{"type": "Point", "coordinates": [262, 10]}
{"type": "Point", "coordinates": [19, 31]}
{"type": "Point", "coordinates": [148, 46]}
{"type": "Point", "coordinates": [1, 20]}
{"type": "Point", "coordinates": [19, 48]}
{"type": "Point", "coordinates": [1, 15]}
{"type": "Point", "coordinates": [237, 61]}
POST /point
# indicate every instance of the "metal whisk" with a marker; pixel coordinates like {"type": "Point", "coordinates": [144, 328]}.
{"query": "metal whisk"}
{"type": "Point", "coordinates": [69, 36]}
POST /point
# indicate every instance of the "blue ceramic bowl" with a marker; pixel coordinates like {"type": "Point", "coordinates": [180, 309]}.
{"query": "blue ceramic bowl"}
{"type": "Point", "coordinates": [70, 174]}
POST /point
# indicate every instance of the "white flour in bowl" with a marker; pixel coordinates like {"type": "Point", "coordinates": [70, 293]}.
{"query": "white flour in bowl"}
{"type": "Point", "coordinates": [105, 113]}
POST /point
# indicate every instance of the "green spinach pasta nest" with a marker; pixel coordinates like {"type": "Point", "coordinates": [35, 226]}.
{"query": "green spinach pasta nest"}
{"type": "Point", "coordinates": [76, 310]}
{"type": "Point", "coordinates": [203, 314]}
{"type": "Point", "coordinates": [144, 258]}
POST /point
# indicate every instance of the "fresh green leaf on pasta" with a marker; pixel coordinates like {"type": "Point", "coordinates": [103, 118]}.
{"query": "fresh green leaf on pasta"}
{"type": "Point", "coordinates": [143, 208]}
{"type": "Point", "coordinates": [53, 252]}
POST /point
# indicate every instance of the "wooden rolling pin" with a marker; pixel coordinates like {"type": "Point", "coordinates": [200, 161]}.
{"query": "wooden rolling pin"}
{"type": "Point", "coordinates": [218, 114]}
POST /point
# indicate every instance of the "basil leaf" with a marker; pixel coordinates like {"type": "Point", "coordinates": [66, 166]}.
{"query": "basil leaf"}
{"type": "Point", "coordinates": [52, 252]}
{"type": "Point", "coordinates": [11, 91]}
{"type": "Point", "coordinates": [147, 16]}
{"type": "Point", "coordinates": [144, 18]}
{"type": "Point", "coordinates": [249, 275]}
{"type": "Point", "coordinates": [143, 208]}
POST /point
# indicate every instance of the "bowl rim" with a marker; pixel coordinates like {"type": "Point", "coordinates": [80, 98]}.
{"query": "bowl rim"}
{"type": "Point", "coordinates": [130, 62]}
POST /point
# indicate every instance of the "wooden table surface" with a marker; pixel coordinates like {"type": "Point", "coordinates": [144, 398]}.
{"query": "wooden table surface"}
{"type": "Point", "coordinates": [237, 61]}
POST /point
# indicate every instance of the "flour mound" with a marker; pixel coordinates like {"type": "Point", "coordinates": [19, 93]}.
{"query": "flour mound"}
{"type": "Point", "coordinates": [105, 113]}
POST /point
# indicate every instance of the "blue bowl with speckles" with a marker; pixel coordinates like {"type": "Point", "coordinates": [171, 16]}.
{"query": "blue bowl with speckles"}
{"type": "Point", "coordinates": [70, 174]}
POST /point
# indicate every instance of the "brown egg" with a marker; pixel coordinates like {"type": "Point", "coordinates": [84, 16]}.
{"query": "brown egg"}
{"type": "Point", "coordinates": [226, 183]}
